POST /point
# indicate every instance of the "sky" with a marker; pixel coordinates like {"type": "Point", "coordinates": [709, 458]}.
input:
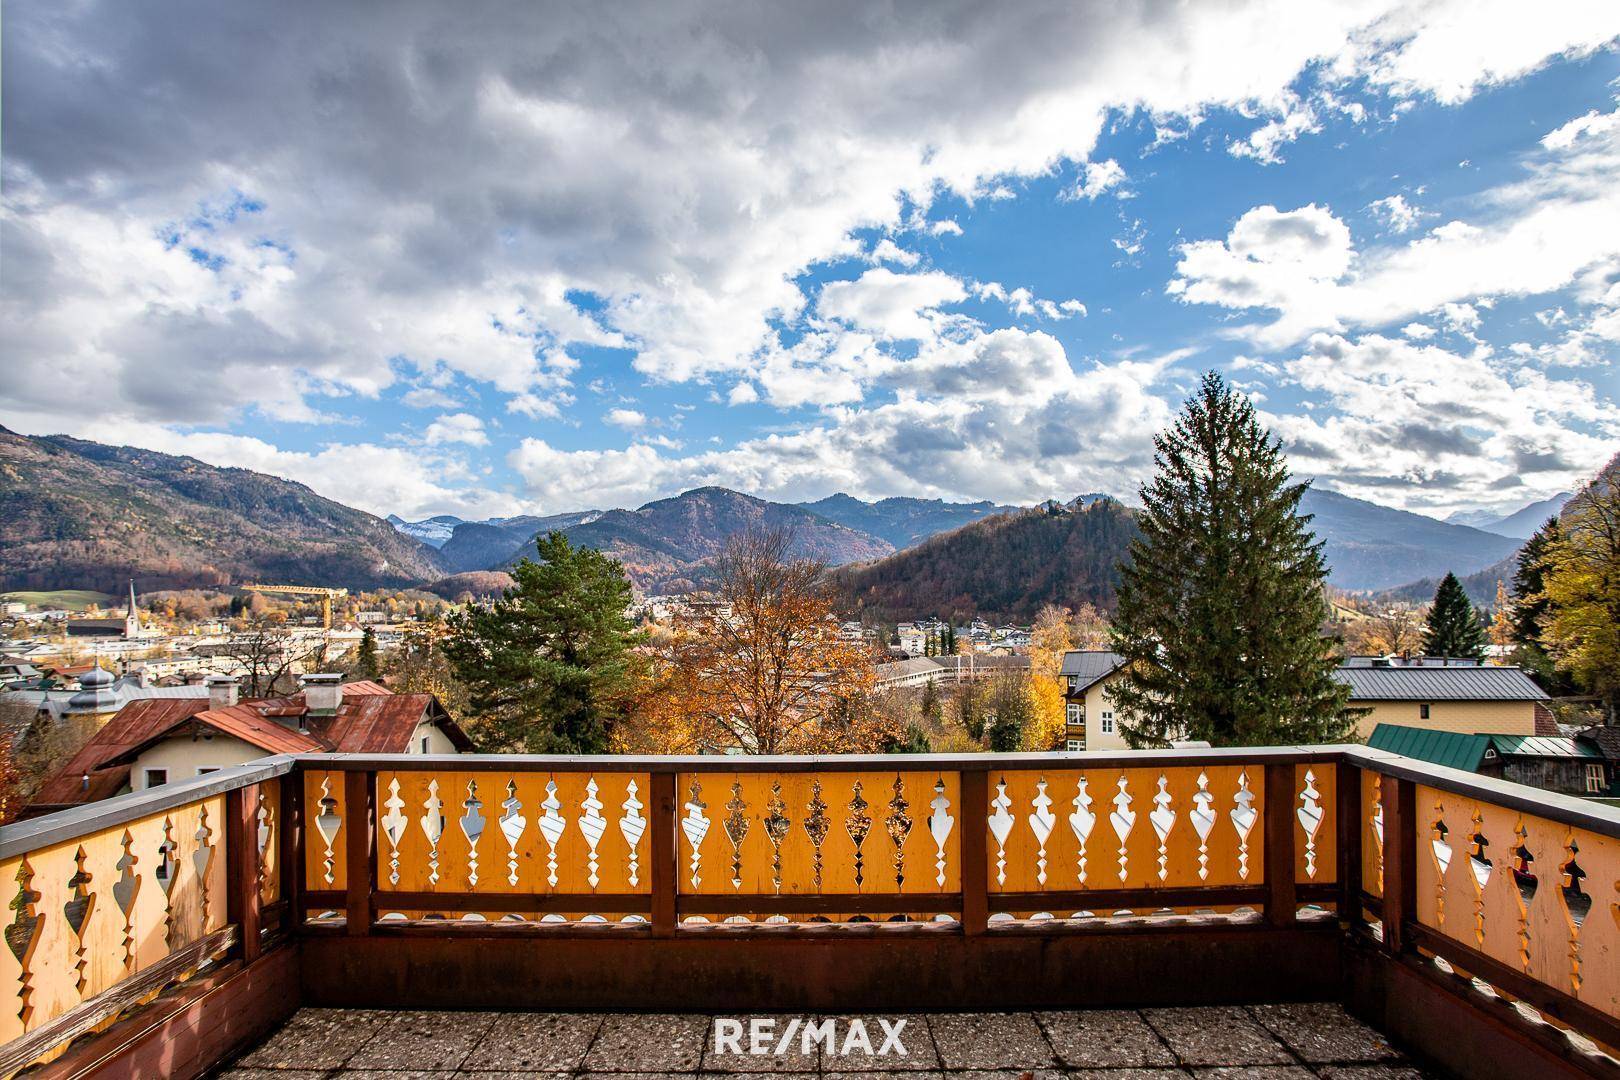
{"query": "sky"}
{"type": "Point", "coordinates": [499, 259]}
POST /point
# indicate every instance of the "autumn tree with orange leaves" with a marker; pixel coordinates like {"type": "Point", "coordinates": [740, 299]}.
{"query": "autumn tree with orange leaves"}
{"type": "Point", "coordinates": [756, 664]}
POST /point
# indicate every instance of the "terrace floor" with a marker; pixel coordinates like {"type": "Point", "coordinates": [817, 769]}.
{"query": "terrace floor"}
{"type": "Point", "coordinates": [1265, 1042]}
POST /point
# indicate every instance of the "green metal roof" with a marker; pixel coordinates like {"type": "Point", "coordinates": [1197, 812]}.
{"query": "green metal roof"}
{"type": "Point", "coordinates": [1449, 748]}
{"type": "Point", "coordinates": [1543, 746]}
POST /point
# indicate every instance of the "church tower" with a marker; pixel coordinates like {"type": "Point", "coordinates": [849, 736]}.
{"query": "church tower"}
{"type": "Point", "coordinates": [132, 621]}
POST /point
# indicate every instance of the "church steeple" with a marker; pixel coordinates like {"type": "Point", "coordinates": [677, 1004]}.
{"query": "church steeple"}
{"type": "Point", "coordinates": [132, 620]}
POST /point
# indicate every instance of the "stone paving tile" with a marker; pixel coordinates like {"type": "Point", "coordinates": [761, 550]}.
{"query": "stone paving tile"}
{"type": "Point", "coordinates": [1324, 1032]}
{"type": "Point", "coordinates": [392, 1074]}
{"type": "Point", "coordinates": [317, 1039]}
{"type": "Point", "coordinates": [649, 1042]}
{"type": "Point", "coordinates": [792, 1059]}
{"type": "Point", "coordinates": [1128, 1074]}
{"type": "Point", "coordinates": [1373, 1072]}
{"type": "Point", "coordinates": [506, 1074]}
{"type": "Point", "coordinates": [874, 1075]}
{"type": "Point", "coordinates": [990, 1041]}
{"type": "Point", "coordinates": [636, 1076]}
{"type": "Point", "coordinates": [1007, 1074]}
{"type": "Point", "coordinates": [1104, 1039]}
{"type": "Point", "coordinates": [1217, 1035]}
{"type": "Point", "coordinates": [920, 1055]}
{"type": "Point", "coordinates": [426, 1041]}
{"type": "Point", "coordinates": [272, 1074]}
{"type": "Point", "coordinates": [534, 1042]}
{"type": "Point", "coordinates": [1256, 1072]}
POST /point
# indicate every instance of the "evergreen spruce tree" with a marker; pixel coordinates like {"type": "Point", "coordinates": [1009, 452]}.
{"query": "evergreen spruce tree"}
{"type": "Point", "coordinates": [365, 657]}
{"type": "Point", "coordinates": [1453, 629]}
{"type": "Point", "coordinates": [1221, 604]}
{"type": "Point", "coordinates": [933, 712]}
{"type": "Point", "coordinates": [548, 667]}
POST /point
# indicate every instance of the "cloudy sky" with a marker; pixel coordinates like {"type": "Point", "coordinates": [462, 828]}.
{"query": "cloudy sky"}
{"type": "Point", "coordinates": [486, 260]}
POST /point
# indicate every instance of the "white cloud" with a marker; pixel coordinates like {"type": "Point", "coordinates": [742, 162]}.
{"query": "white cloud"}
{"type": "Point", "coordinates": [429, 397]}
{"type": "Point", "coordinates": [1418, 331]}
{"type": "Point", "coordinates": [887, 250]}
{"type": "Point", "coordinates": [462, 428]}
{"type": "Point", "coordinates": [897, 307]}
{"type": "Point", "coordinates": [1264, 143]}
{"type": "Point", "coordinates": [1098, 178]}
{"type": "Point", "coordinates": [742, 394]}
{"type": "Point", "coordinates": [629, 419]}
{"type": "Point", "coordinates": [945, 227]}
{"type": "Point", "coordinates": [1396, 213]}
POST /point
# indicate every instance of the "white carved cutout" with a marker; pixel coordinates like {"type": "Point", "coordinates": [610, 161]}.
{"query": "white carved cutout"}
{"type": "Point", "coordinates": [393, 825]}
{"type": "Point", "coordinates": [1001, 823]}
{"type": "Point", "coordinates": [1041, 823]}
{"type": "Point", "coordinates": [432, 822]}
{"type": "Point", "coordinates": [472, 827]}
{"type": "Point", "coordinates": [552, 825]}
{"type": "Point", "coordinates": [1203, 822]}
{"type": "Point", "coordinates": [1439, 844]}
{"type": "Point", "coordinates": [327, 823]}
{"type": "Point", "coordinates": [1163, 819]}
{"type": "Point", "coordinates": [1124, 820]}
{"type": "Point", "coordinates": [632, 825]}
{"type": "Point", "coordinates": [1310, 819]}
{"type": "Point", "coordinates": [512, 825]}
{"type": "Point", "coordinates": [939, 826]}
{"type": "Point", "coordinates": [696, 826]}
{"type": "Point", "coordinates": [1082, 821]}
{"type": "Point", "coordinates": [593, 825]}
{"type": "Point", "coordinates": [1243, 817]}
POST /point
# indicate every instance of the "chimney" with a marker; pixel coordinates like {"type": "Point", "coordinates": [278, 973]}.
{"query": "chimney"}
{"type": "Point", "coordinates": [221, 691]}
{"type": "Point", "coordinates": [323, 694]}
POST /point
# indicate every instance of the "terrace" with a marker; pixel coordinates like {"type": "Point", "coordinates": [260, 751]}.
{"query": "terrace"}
{"type": "Point", "coordinates": [1335, 911]}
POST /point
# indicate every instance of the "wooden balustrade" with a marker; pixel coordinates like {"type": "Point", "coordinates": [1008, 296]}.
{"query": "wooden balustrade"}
{"type": "Point", "coordinates": [111, 903]}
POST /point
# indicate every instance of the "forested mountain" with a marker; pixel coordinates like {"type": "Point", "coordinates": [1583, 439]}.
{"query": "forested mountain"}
{"type": "Point", "coordinates": [666, 545]}
{"type": "Point", "coordinates": [902, 521]}
{"type": "Point", "coordinates": [1007, 566]}
{"type": "Point", "coordinates": [1375, 547]}
{"type": "Point", "coordinates": [480, 545]}
{"type": "Point", "coordinates": [77, 514]}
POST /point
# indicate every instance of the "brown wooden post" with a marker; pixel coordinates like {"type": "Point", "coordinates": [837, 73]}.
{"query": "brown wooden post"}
{"type": "Point", "coordinates": [1282, 904]}
{"type": "Point", "coordinates": [664, 877]}
{"type": "Point", "coordinates": [975, 859]}
{"type": "Point", "coordinates": [1399, 799]}
{"type": "Point", "coordinates": [1347, 778]}
{"type": "Point", "coordinates": [292, 850]}
{"type": "Point", "coordinates": [242, 853]}
{"type": "Point", "coordinates": [359, 861]}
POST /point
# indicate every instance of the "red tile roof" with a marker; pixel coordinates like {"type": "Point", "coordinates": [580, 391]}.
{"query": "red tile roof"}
{"type": "Point", "coordinates": [134, 724]}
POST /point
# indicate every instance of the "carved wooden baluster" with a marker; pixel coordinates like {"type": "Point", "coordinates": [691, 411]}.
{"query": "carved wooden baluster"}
{"type": "Point", "coordinates": [593, 826]}
{"type": "Point", "coordinates": [552, 825]}
{"type": "Point", "coordinates": [631, 827]}
{"type": "Point", "coordinates": [858, 823]}
{"type": "Point", "coordinates": [940, 823]}
{"type": "Point", "coordinates": [1244, 816]}
{"type": "Point", "coordinates": [77, 911]}
{"type": "Point", "coordinates": [1525, 884]}
{"type": "Point", "coordinates": [168, 865]}
{"type": "Point", "coordinates": [1479, 865]}
{"type": "Point", "coordinates": [432, 822]}
{"type": "Point", "coordinates": [512, 825]}
{"type": "Point", "coordinates": [394, 824]}
{"type": "Point", "coordinates": [1124, 820]}
{"type": "Point", "coordinates": [898, 824]}
{"type": "Point", "coordinates": [1082, 821]}
{"type": "Point", "coordinates": [1375, 822]}
{"type": "Point", "coordinates": [1041, 823]}
{"type": "Point", "coordinates": [1310, 820]}
{"type": "Point", "coordinates": [736, 826]}
{"type": "Point", "coordinates": [1203, 822]}
{"type": "Point", "coordinates": [124, 891]}
{"type": "Point", "coordinates": [1577, 905]}
{"type": "Point", "coordinates": [265, 815]}
{"type": "Point", "coordinates": [22, 935]}
{"type": "Point", "coordinates": [327, 822]}
{"type": "Point", "coordinates": [203, 858]}
{"type": "Point", "coordinates": [816, 825]}
{"type": "Point", "coordinates": [696, 826]}
{"type": "Point", "coordinates": [1440, 845]}
{"type": "Point", "coordinates": [777, 827]}
{"type": "Point", "coordinates": [1163, 820]}
{"type": "Point", "coordinates": [1001, 823]}
{"type": "Point", "coordinates": [472, 827]}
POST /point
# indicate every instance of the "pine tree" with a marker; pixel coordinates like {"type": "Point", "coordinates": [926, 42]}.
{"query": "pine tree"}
{"type": "Point", "coordinates": [1531, 608]}
{"type": "Point", "coordinates": [1453, 629]}
{"type": "Point", "coordinates": [1221, 604]}
{"type": "Point", "coordinates": [548, 667]}
{"type": "Point", "coordinates": [365, 658]}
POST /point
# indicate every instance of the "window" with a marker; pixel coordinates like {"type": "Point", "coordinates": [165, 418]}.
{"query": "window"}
{"type": "Point", "coordinates": [424, 744]}
{"type": "Point", "coordinates": [203, 770]}
{"type": "Point", "coordinates": [1423, 711]}
{"type": "Point", "coordinates": [1594, 779]}
{"type": "Point", "coordinates": [1107, 723]}
{"type": "Point", "coordinates": [1074, 744]}
{"type": "Point", "coordinates": [157, 777]}
{"type": "Point", "coordinates": [1074, 714]}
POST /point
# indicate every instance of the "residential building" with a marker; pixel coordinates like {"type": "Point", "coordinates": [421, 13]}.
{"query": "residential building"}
{"type": "Point", "coordinates": [159, 740]}
{"type": "Point", "coordinates": [100, 694]}
{"type": "Point", "coordinates": [1568, 765]}
{"type": "Point", "coordinates": [1444, 695]}
{"type": "Point", "coordinates": [1090, 719]}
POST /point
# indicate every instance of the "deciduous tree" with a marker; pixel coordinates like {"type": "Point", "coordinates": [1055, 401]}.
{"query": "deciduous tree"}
{"type": "Point", "coordinates": [1049, 639]}
{"type": "Point", "coordinates": [1221, 603]}
{"type": "Point", "coordinates": [1581, 583]}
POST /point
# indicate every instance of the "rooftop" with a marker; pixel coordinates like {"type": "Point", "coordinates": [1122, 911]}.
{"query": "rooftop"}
{"type": "Point", "coordinates": [1413, 683]}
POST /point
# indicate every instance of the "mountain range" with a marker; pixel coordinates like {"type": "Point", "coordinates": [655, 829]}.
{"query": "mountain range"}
{"type": "Point", "coordinates": [1520, 524]}
{"type": "Point", "coordinates": [80, 514]}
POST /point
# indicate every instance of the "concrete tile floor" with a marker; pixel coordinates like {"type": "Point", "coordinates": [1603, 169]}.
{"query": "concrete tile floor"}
{"type": "Point", "coordinates": [1261, 1042]}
